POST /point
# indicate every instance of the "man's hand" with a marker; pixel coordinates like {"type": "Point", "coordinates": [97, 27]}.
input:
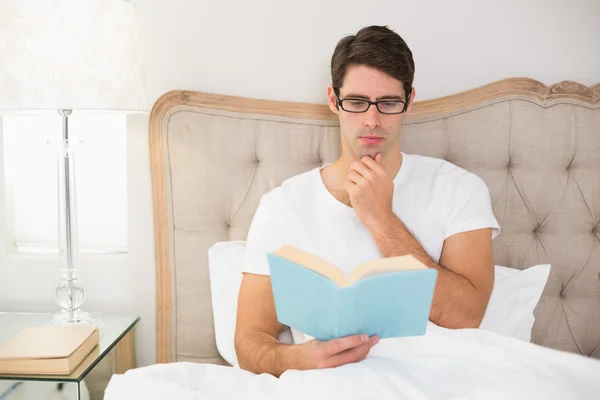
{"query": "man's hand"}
{"type": "Point", "coordinates": [257, 345]}
{"type": "Point", "coordinates": [370, 189]}
{"type": "Point", "coordinates": [315, 354]}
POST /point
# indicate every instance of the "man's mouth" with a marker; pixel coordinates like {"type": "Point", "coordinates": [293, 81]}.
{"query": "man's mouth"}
{"type": "Point", "coordinates": [371, 139]}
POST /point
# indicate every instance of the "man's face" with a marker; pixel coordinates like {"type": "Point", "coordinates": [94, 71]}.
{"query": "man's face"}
{"type": "Point", "coordinates": [370, 132]}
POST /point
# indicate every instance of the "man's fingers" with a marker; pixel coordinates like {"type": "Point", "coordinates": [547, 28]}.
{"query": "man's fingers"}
{"type": "Point", "coordinates": [355, 177]}
{"type": "Point", "coordinates": [350, 356]}
{"type": "Point", "coordinates": [373, 164]}
{"type": "Point", "coordinates": [342, 344]}
{"type": "Point", "coordinates": [362, 169]}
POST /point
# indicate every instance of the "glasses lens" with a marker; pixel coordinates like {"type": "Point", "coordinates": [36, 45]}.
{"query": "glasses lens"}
{"type": "Point", "coordinates": [391, 107]}
{"type": "Point", "coordinates": [355, 105]}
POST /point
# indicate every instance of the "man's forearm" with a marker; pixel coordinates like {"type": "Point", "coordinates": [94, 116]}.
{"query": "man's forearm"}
{"type": "Point", "coordinates": [261, 353]}
{"type": "Point", "coordinates": [454, 304]}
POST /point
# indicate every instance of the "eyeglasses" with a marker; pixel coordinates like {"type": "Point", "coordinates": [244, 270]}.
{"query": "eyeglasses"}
{"type": "Point", "coordinates": [354, 105]}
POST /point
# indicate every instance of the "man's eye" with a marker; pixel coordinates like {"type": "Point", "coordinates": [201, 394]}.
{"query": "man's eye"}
{"type": "Point", "coordinates": [391, 106]}
{"type": "Point", "coordinates": [357, 103]}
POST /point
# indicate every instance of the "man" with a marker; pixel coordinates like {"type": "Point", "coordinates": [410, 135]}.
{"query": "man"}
{"type": "Point", "coordinates": [373, 202]}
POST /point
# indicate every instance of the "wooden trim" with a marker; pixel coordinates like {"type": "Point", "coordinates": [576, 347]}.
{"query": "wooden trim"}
{"type": "Point", "coordinates": [211, 101]}
{"type": "Point", "coordinates": [439, 106]}
{"type": "Point", "coordinates": [596, 93]}
{"type": "Point", "coordinates": [161, 227]}
{"type": "Point", "coordinates": [125, 353]}
{"type": "Point", "coordinates": [526, 87]}
{"type": "Point", "coordinates": [565, 90]}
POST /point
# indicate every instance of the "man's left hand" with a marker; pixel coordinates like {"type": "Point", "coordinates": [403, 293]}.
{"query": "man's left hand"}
{"type": "Point", "coordinates": [370, 189]}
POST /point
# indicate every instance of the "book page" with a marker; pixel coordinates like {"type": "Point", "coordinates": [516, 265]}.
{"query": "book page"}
{"type": "Point", "coordinates": [385, 265]}
{"type": "Point", "coordinates": [312, 262]}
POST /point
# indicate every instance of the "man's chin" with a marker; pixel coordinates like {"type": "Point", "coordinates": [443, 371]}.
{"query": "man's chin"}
{"type": "Point", "coordinates": [369, 153]}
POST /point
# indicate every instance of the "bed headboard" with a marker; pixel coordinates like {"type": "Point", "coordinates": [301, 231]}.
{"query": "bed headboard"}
{"type": "Point", "coordinates": [536, 147]}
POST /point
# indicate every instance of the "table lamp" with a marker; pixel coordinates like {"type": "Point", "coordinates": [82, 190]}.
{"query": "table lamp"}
{"type": "Point", "coordinates": [65, 56]}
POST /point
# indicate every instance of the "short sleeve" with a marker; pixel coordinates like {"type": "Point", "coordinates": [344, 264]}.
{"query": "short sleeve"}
{"type": "Point", "coordinates": [268, 232]}
{"type": "Point", "coordinates": [469, 206]}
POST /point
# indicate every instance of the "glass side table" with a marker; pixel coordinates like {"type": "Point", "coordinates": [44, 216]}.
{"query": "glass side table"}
{"type": "Point", "coordinates": [115, 354]}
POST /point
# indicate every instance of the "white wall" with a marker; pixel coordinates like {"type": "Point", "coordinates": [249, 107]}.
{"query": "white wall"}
{"type": "Point", "coordinates": [281, 50]}
{"type": "Point", "coordinates": [277, 49]}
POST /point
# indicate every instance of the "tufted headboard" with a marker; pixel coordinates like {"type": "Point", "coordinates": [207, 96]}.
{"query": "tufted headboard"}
{"type": "Point", "coordinates": [536, 147]}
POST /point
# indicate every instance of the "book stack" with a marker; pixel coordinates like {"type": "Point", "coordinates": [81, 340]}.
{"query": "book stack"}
{"type": "Point", "coordinates": [48, 350]}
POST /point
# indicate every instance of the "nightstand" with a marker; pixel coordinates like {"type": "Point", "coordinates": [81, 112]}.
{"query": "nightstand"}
{"type": "Point", "coordinates": [116, 355]}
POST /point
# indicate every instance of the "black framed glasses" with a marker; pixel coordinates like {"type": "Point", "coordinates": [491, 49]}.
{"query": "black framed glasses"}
{"type": "Point", "coordinates": [355, 105]}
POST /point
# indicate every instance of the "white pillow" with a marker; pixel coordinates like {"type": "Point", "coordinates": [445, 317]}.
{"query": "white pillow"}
{"type": "Point", "coordinates": [515, 295]}
{"type": "Point", "coordinates": [224, 265]}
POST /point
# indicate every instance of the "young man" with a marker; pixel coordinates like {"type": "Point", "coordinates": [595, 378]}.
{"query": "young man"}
{"type": "Point", "coordinates": [373, 202]}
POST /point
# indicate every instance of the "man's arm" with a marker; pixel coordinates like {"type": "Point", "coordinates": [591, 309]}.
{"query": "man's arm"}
{"type": "Point", "coordinates": [465, 271]}
{"type": "Point", "coordinates": [257, 344]}
{"type": "Point", "coordinates": [466, 265]}
{"type": "Point", "coordinates": [257, 329]}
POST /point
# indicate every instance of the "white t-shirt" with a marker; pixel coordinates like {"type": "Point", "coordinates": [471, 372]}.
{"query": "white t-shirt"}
{"type": "Point", "coordinates": [434, 198]}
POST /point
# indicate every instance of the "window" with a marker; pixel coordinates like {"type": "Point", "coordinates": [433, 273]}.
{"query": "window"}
{"type": "Point", "coordinates": [30, 179]}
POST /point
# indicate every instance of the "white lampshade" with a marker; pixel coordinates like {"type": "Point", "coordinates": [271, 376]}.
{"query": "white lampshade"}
{"type": "Point", "coordinates": [71, 54]}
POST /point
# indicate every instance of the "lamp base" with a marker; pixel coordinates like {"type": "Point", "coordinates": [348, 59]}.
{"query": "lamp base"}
{"type": "Point", "coordinates": [77, 317]}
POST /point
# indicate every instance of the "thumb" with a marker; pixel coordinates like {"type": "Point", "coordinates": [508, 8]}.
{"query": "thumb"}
{"type": "Point", "coordinates": [378, 158]}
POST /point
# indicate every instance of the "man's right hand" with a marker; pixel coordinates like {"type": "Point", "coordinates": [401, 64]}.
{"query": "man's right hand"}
{"type": "Point", "coordinates": [333, 353]}
{"type": "Point", "coordinates": [257, 330]}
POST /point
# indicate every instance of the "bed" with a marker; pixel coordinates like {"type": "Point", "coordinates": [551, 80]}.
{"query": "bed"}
{"type": "Point", "coordinates": [537, 147]}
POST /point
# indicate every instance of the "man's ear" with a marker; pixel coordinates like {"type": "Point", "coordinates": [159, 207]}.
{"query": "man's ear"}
{"type": "Point", "coordinates": [413, 93]}
{"type": "Point", "coordinates": [332, 100]}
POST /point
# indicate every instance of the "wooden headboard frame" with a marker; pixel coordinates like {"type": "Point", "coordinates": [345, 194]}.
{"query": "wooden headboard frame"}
{"type": "Point", "coordinates": [537, 91]}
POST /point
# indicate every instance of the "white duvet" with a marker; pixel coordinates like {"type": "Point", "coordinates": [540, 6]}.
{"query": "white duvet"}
{"type": "Point", "coordinates": [443, 364]}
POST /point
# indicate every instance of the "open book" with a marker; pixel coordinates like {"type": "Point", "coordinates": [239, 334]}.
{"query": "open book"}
{"type": "Point", "coordinates": [389, 297]}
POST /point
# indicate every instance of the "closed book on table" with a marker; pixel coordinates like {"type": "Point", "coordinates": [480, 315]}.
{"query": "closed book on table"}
{"type": "Point", "coordinates": [47, 350]}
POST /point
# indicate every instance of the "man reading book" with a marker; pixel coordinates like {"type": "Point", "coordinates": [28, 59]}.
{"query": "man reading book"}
{"type": "Point", "coordinates": [374, 201]}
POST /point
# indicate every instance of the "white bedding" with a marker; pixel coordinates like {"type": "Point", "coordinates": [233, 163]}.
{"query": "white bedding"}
{"type": "Point", "coordinates": [443, 364]}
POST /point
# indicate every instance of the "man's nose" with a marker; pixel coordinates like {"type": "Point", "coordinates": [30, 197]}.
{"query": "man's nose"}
{"type": "Point", "coordinates": [372, 117]}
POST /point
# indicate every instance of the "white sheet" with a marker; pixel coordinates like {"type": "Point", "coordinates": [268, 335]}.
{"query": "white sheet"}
{"type": "Point", "coordinates": [444, 364]}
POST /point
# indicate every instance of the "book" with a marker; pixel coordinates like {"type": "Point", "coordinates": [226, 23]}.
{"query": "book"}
{"type": "Point", "coordinates": [47, 350]}
{"type": "Point", "coordinates": [388, 297]}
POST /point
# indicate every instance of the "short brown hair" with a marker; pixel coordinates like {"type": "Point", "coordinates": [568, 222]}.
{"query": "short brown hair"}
{"type": "Point", "coordinates": [377, 47]}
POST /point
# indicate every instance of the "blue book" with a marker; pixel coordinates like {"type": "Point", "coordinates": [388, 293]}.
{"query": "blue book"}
{"type": "Point", "coordinates": [389, 297]}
